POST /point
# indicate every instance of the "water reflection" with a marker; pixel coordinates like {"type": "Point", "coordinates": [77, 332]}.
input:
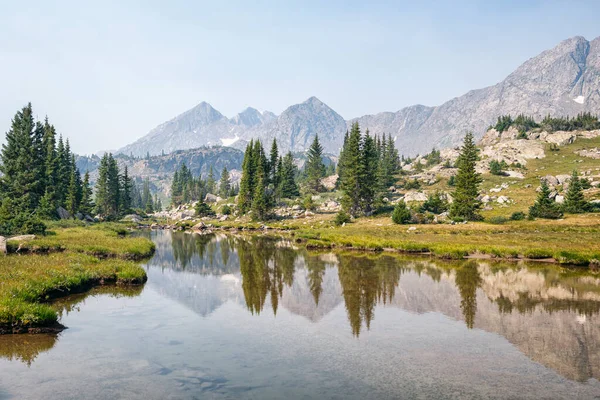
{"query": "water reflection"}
{"type": "Point", "coordinates": [26, 348]}
{"type": "Point", "coordinates": [548, 312]}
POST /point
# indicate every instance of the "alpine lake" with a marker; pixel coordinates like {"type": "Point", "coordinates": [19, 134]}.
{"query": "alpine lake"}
{"type": "Point", "coordinates": [253, 317]}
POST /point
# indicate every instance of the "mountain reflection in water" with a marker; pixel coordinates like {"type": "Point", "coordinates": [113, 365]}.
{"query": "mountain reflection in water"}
{"type": "Point", "coordinates": [550, 313]}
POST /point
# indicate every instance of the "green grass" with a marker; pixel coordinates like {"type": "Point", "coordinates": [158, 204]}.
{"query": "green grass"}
{"type": "Point", "coordinates": [69, 260]}
{"type": "Point", "coordinates": [102, 240]}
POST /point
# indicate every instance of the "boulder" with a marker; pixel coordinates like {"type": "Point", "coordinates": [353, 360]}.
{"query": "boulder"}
{"type": "Point", "coordinates": [199, 226]}
{"type": "Point", "coordinates": [133, 218]}
{"type": "Point", "coordinates": [79, 216]}
{"type": "Point", "coordinates": [223, 218]}
{"type": "Point", "coordinates": [62, 213]}
{"type": "Point", "coordinates": [485, 199]}
{"type": "Point", "coordinates": [562, 179]}
{"type": "Point", "coordinates": [89, 218]}
{"type": "Point", "coordinates": [329, 182]}
{"type": "Point", "coordinates": [22, 238]}
{"type": "Point", "coordinates": [414, 196]}
{"type": "Point", "coordinates": [2, 244]}
{"type": "Point", "coordinates": [503, 200]}
{"type": "Point", "coordinates": [211, 198]}
{"type": "Point", "coordinates": [559, 199]}
{"type": "Point", "coordinates": [559, 138]}
{"type": "Point", "coordinates": [551, 180]}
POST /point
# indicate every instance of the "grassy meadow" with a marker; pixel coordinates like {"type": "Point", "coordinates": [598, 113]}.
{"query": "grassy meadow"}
{"type": "Point", "coordinates": [67, 260]}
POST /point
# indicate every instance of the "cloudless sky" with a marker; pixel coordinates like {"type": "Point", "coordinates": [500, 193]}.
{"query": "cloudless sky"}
{"type": "Point", "coordinates": [106, 72]}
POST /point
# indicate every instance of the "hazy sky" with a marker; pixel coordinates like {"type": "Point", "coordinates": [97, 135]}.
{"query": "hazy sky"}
{"type": "Point", "coordinates": [107, 72]}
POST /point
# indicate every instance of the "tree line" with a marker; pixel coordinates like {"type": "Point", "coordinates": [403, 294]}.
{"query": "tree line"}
{"type": "Point", "coordinates": [185, 188]}
{"type": "Point", "coordinates": [583, 121]}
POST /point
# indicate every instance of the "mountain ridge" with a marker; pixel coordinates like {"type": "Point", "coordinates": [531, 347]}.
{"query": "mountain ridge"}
{"type": "Point", "coordinates": [561, 81]}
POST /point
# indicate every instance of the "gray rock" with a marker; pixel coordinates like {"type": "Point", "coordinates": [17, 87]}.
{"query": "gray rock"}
{"type": "Point", "coordinates": [211, 198]}
{"type": "Point", "coordinates": [2, 245]}
{"type": "Point", "coordinates": [62, 213]}
{"type": "Point", "coordinates": [559, 199]}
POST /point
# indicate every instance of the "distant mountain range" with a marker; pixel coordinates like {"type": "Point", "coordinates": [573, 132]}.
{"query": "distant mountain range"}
{"type": "Point", "coordinates": [561, 81]}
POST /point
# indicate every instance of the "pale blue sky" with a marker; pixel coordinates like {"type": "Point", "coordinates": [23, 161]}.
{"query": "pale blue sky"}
{"type": "Point", "coordinates": [107, 72]}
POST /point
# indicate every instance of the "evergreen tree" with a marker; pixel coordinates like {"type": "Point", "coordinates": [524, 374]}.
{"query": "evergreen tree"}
{"type": "Point", "coordinates": [467, 180]}
{"type": "Point", "coordinates": [87, 203]}
{"type": "Point", "coordinates": [260, 202]}
{"type": "Point", "coordinates": [126, 188]}
{"type": "Point", "coordinates": [544, 206]}
{"type": "Point", "coordinates": [72, 201]}
{"type": "Point", "coordinates": [247, 180]}
{"type": "Point", "coordinates": [574, 200]}
{"type": "Point", "coordinates": [315, 169]}
{"type": "Point", "coordinates": [114, 187]}
{"type": "Point", "coordinates": [211, 184]}
{"type": "Point", "coordinates": [273, 164]}
{"type": "Point", "coordinates": [224, 184]}
{"type": "Point", "coordinates": [350, 171]}
{"type": "Point", "coordinates": [288, 188]}
{"type": "Point", "coordinates": [102, 186]}
{"type": "Point", "coordinates": [20, 181]}
{"type": "Point", "coordinates": [368, 174]}
{"type": "Point", "coordinates": [147, 200]}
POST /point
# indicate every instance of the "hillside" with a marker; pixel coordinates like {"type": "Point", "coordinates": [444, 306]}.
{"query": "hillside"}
{"type": "Point", "coordinates": [160, 169]}
{"type": "Point", "coordinates": [561, 81]}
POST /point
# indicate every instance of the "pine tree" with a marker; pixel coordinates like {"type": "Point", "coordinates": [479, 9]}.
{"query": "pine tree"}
{"type": "Point", "coordinates": [288, 188]}
{"type": "Point", "coordinates": [350, 172]}
{"type": "Point", "coordinates": [114, 187]}
{"type": "Point", "coordinates": [50, 168]}
{"type": "Point", "coordinates": [72, 200]}
{"type": "Point", "coordinates": [368, 174]}
{"type": "Point", "coordinates": [126, 188]}
{"type": "Point", "coordinates": [20, 182]}
{"type": "Point", "coordinates": [260, 202]}
{"type": "Point", "coordinates": [544, 206]}
{"type": "Point", "coordinates": [574, 200]}
{"type": "Point", "coordinates": [87, 203]}
{"type": "Point", "coordinates": [147, 200]}
{"type": "Point", "coordinates": [224, 184]}
{"type": "Point", "coordinates": [211, 184]}
{"type": "Point", "coordinates": [315, 169]}
{"type": "Point", "coordinates": [102, 186]}
{"type": "Point", "coordinates": [467, 180]}
{"type": "Point", "coordinates": [273, 164]}
{"type": "Point", "coordinates": [247, 180]}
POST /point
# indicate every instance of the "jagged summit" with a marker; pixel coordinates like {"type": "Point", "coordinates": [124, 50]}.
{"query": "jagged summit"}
{"type": "Point", "coordinates": [561, 81]}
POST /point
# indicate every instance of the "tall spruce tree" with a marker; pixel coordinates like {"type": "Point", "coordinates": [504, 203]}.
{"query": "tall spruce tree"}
{"type": "Point", "coordinates": [147, 199]}
{"type": "Point", "coordinates": [288, 188]}
{"type": "Point", "coordinates": [247, 180]}
{"type": "Point", "coordinates": [544, 206]}
{"type": "Point", "coordinates": [87, 202]}
{"type": "Point", "coordinates": [21, 181]}
{"type": "Point", "coordinates": [211, 184]}
{"type": "Point", "coordinates": [368, 174]}
{"type": "Point", "coordinates": [350, 170]}
{"type": "Point", "coordinates": [465, 204]}
{"type": "Point", "coordinates": [575, 202]}
{"type": "Point", "coordinates": [315, 169]}
{"type": "Point", "coordinates": [224, 183]}
{"type": "Point", "coordinates": [273, 164]}
{"type": "Point", "coordinates": [126, 188]}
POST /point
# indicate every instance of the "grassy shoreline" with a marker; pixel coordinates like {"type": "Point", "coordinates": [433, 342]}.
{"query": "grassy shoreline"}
{"type": "Point", "coordinates": [574, 240]}
{"type": "Point", "coordinates": [72, 260]}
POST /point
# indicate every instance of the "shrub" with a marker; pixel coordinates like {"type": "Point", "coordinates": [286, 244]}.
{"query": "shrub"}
{"type": "Point", "coordinates": [226, 210]}
{"type": "Point", "coordinates": [401, 214]}
{"type": "Point", "coordinates": [414, 184]}
{"type": "Point", "coordinates": [204, 210]}
{"type": "Point", "coordinates": [498, 220]}
{"type": "Point", "coordinates": [517, 216]}
{"type": "Point", "coordinates": [497, 167]}
{"type": "Point", "coordinates": [452, 181]}
{"type": "Point", "coordinates": [341, 218]}
{"type": "Point", "coordinates": [308, 203]}
{"type": "Point", "coordinates": [435, 203]}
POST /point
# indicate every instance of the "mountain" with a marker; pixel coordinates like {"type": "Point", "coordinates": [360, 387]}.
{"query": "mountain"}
{"type": "Point", "coordinates": [159, 169]}
{"type": "Point", "coordinates": [561, 81]}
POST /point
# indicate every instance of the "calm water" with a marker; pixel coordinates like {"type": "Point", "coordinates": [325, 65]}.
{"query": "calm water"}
{"type": "Point", "coordinates": [229, 317]}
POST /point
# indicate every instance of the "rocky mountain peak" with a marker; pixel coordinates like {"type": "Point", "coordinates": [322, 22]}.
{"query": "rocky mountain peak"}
{"type": "Point", "coordinates": [562, 81]}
